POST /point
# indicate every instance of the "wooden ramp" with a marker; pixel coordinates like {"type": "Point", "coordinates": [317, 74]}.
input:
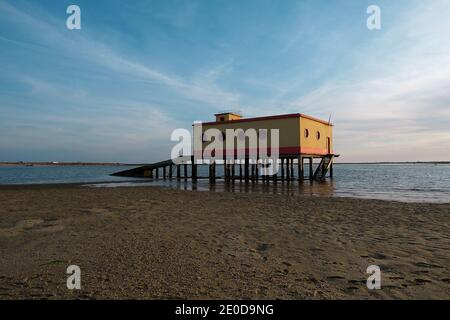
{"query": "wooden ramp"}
{"type": "Point", "coordinates": [144, 171]}
{"type": "Point", "coordinates": [323, 167]}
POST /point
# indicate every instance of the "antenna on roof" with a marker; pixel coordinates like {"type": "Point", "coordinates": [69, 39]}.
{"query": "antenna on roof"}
{"type": "Point", "coordinates": [329, 119]}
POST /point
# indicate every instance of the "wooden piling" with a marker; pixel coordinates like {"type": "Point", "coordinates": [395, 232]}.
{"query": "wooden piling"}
{"type": "Point", "coordinates": [193, 168]}
{"type": "Point", "coordinates": [292, 169]}
{"type": "Point", "coordinates": [212, 171]}
{"type": "Point", "coordinates": [288, 169]}
{"type": "Point", "coordinates": [246, 173]}
{"type": "Point", "coordinates": [233, 165]}
{"type": "Point", "coordinates": [240, 170]}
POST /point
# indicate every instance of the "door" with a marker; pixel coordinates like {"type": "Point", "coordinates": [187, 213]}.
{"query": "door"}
{"type": "Point", "coordinates": [329, 145]}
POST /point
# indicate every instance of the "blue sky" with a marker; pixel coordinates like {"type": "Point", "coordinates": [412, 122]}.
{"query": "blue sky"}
{"type": "Point", "coordinates": [115, 90]}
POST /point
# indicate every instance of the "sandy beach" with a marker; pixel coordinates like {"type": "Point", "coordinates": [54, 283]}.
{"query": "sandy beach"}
{"type": "Point", "coordinates": [156, 243]}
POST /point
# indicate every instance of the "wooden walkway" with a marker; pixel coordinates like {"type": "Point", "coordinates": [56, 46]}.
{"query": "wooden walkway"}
{"type": "Point", "coordinates": [291, 167]}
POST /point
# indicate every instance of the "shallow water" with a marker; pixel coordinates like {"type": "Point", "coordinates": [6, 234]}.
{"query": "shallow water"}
{"type": "Point", "coordinates": [58, 174]}
{"type": "Point", "coordinates": [399, 182]}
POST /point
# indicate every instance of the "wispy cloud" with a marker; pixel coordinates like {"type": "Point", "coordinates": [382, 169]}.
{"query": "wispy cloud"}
{"type": "Point", "coordinates": [397, 99]}
{"type": "Point", "coordinates": [49, 29]}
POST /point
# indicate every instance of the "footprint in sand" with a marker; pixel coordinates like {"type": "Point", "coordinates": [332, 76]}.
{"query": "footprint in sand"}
{"type": "Point", "coordinates": [334, 278]}
{"type": "Point", "coordinates": [264, 246]}
{"type": "Point", "coordinates": [379, 256]}
{"type": "Point", "coordinates": [351, 289]}
{"type": "Point", "coordinates": [20, 227]}
{"type": "Point", "coordinates": [37, 225]}
{"type": "Point", "coordinates": [428, 265]}
{"type": "Point", "coordinates": [421, 281]}
{"type": "Point", "coordinates": [100, 211]}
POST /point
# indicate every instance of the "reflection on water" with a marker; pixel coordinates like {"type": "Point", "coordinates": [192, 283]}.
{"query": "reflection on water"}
{"type": "Point", "coordinates": [280, 187]}
{"type": "Point", "coordinates": [398, 182]}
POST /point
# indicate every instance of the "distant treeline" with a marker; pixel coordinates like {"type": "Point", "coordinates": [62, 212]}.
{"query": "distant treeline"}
{"type": "Point", "coordinates": [21, 163]}
{"type": "Point", "coordinates": [400, 162]}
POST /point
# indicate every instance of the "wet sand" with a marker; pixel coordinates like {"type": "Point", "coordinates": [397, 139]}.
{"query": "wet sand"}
{"type": "Point", "coordinates": [156, 243]}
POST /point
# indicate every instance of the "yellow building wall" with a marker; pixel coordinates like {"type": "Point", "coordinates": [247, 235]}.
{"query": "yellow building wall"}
{"type": "Point", "coordinates": [311, 144]}
{"type": "Point", "coordinates": [291, 133]}
{"type": "Point", "coordinates": [289, 129]}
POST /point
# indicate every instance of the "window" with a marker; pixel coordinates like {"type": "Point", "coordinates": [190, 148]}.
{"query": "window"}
{"type": "Point", "coordinates": [318, 135]}
{"type": "Point", "coordinates": [306, 133]}
{"type": "Point", "coordinates": [222, 118]}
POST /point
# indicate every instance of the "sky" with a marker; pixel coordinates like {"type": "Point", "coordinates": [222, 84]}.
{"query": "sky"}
{"type": "Point", "coordinates": [136, 70]}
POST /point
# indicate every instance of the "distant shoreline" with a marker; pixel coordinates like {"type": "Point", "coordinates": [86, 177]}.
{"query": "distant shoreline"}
{"type": "Point", "coordinates": [400, 162]}
{"type": "Point", "coordinates": [46, 164]}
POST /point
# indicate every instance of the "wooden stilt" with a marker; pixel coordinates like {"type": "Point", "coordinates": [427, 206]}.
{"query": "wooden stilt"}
{"type": "Point", "coordinates": [311, 168]}
{"type": "Point", "coordinates": [185, 171]}
{"type": "Point", "coordinates": [262, 165]}
{"type": "Point", "coordinates": [282, 169]}
{"type": "Point", "coordinates": [178, 171]}
{"type": "Point", "coordinates": [300, 168]}
{"type": "Point", "coordinates": [246, 173]}
{"type": "Point", "coordinates": [331, 170]}
{"type": "Point", "coordinates": [164, 172]}
{"type": "Point", "coordinates": [212, 175]}
{"type": "Point", "coordinates": [253, 172]}
{"type": "Point", "coordinates": [193, 169]}
{"type": "Point", "coordinates": [233, 168]}
{"type": "Point", "coordinates": [240, 170]}
{"type": "Point", "coordinates": [288, 169]}
{"type": "Point", "coordinates": [275, 164]}
{"type": "Point", "coordinates": [292, 169]}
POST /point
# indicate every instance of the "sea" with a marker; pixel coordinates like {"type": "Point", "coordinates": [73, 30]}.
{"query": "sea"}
{"type": "Point", "coordinates": [423, 182]}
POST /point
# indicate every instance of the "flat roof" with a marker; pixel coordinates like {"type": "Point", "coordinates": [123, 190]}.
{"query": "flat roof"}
{"type": "Point", "coordinates": [224, 113]}
{"type": "Point", "coordinates": [281, 116]}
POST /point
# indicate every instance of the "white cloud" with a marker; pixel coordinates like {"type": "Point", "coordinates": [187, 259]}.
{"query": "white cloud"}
{"type": "Point", "coordinates": [399, 99]}
{"type": "Point", "coordinates": [49, 30]}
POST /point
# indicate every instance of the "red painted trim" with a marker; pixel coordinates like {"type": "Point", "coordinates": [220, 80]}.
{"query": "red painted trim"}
{"type": "Point", "coordinates": [276, 117]}
{"type": "Point", "coordinates": [293, 115]}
